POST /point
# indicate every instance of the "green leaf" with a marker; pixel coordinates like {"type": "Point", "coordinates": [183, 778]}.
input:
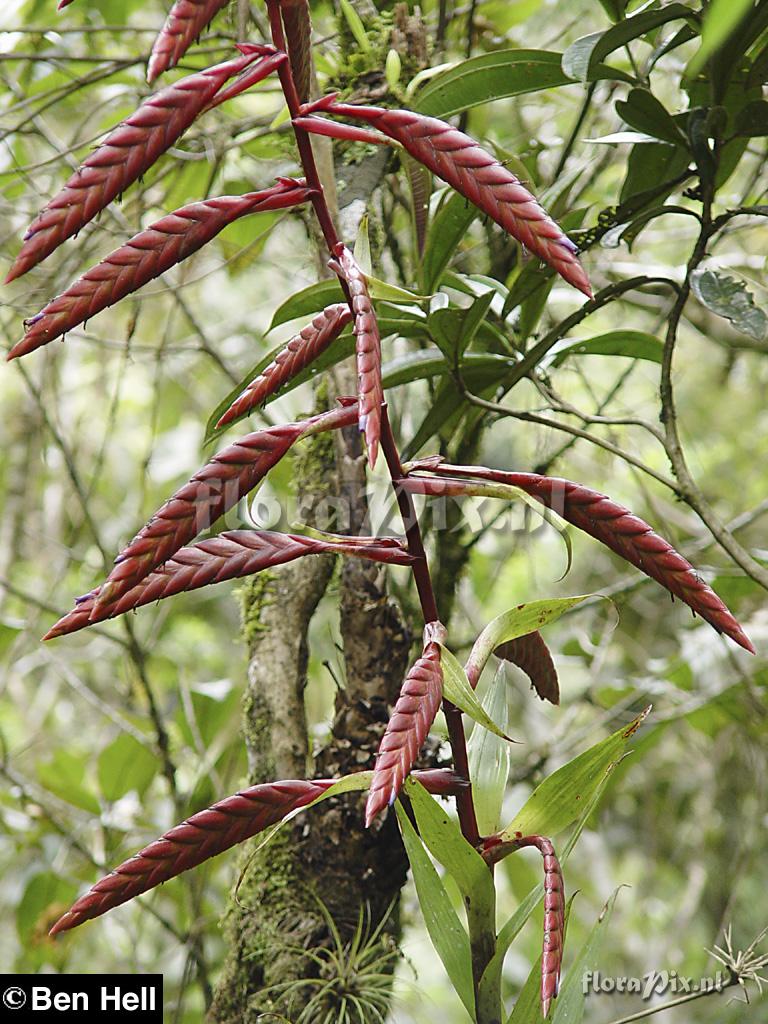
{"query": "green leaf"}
{"type": "Point", "coordinates": [642, 111]}
{"type": "Point", "coordinates": [443, 839]}
{"type": "Point", "coordinates": [448, 935]}
{"type": "Point", "coordinates": [490, 757]}
{"type": "Point", "coordinates": [454, 329]}
{"type": "Point", "coordinates": [123, 766]}
{"type": "Point", "coordinates": [308, 301]}
{"type": "Point", "coordinates": [458, 691]}
{"type": "Point", "coordinates": [570, 1002]}
{"type": "Point", "coordinates": [581, 57]}
{"type": "Point", "coordinates": [446, 231]}
{"type": "Point", "coordinates": [516, 622]}
{"type": "Point", "coordinates": [63, 775]}
{"type": "Point", "coordinates": [630, 344]}
{"type": "Point", "coordinates": [46, 896]}
{"type": "Point", "coordinates": [430, 362]}
{"type": "Point", "coordinates": [732, 300]}
{"type": "Point", "coordinates": [499, 75]}
{"type": "Point", "coordinates": [560, 798]}
{"type": "Point", "coordinates": [653, 162]}
{"type": "Point", "coordinates": [721, 19]}
{"type": "Point", "coordinates": [356, 26]}
{"type": "Point", "coordinates": [752, 120]}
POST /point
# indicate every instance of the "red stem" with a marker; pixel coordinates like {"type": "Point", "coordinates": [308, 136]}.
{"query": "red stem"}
{"type": "Point", "coordinates": [420, 568]}
{"type": "Point", "coordinates": [464, 803]}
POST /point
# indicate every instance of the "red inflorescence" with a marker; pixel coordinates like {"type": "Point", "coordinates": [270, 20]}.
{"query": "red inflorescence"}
{"type": "Point", "coordinates": [290, 361]}
{"type": "Point", "coordinates": [406, 730]}
{"type": "Point", "coordinates": [467, 167]}
{"type": "Point", "coordinates": [147, 255]}
{"type": "Point", "coordinates": [128, 151]}
{"type": "Point", "coordinates": [185, 21]}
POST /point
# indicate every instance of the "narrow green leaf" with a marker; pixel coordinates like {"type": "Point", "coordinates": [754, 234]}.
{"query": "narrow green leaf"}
{"type": "Point", "coordinates": [630, 344]}
{"type": "Point", "coordinates": [499, 75]}
{"type": "Point", "coordinates": [559, 799]}
{"type": "Point", "coordinates": [431, 362]}
{"type": "Point", "coordinates": [356, 26]}
{"type": "Point", "coordinates": [307, 302]}
{"type": "Point", "coordinates": [46, 896]}
{"type": "Point", "coordinates": [752, 120]}
{"type": "Point", "coordinates": [490, 757]}
{"type": "Point", "coordinates": [454, 329]}
{"type": "Point", "coordinates": [732, 300]}
{"type": "Point", "coordinates": [457, 689]}
{"type": "Point", "coordinates": [448, 935]}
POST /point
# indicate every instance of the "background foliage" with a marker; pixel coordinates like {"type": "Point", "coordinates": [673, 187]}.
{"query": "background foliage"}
{"type": "Point", "coordinates": [110, 737]}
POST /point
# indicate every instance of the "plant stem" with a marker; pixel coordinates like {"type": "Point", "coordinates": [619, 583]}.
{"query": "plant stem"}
{"type": "Point", "coordinates": [464, 802]}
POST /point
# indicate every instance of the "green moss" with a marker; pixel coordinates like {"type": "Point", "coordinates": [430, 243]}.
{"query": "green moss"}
{"type": "Point", "coordinates": [255, 595]}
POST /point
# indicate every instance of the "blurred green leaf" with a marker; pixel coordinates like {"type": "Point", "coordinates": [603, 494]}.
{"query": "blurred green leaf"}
{"type": "Point", "coordinates": [732, 300]}
{"type": "Point", "coordinates": [752, 120]}
{"type": "Point", "coordinates": [123, 766]}
{"type": "Point", "coordinates": [721, 19]}
{"type": "Point", "coordinates": [641, 110]}
{"type": "Point", "coordinates": [630, 344]}
{"type": "Point", "coordinates": [64, 774]}
{"type": "Point", "coordinates": [46, 897]}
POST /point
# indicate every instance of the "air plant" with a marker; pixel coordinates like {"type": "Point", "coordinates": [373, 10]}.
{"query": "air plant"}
{"type": "Point", "coordinates": [163, 559]}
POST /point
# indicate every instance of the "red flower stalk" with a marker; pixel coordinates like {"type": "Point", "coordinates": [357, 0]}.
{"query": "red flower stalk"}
{"type": "Point", "coordinates": [148, 255]}
{"type": "Point", "coordinates": [209, 833]}
{"type": "Point", "coordinates": [368, 349]}
{"type": "Point", "coordinates": [128, 151]}
{"type": "Point", "coordinates": [185, 21]}
{"type": "Point", "coordinates": [211, 492]}
{"type": "Point", "coordinates": [606, 521]}
{"type": "Point", "coordinates": [532, 655]}
{"type": "Point", "coordinates": [300, 351]}
{"type": "Point", "coordinates": [554, 908]}
{"type": "Point", "coordinates": [228, 556]}
{"type": "Point", "coordinates": [406, 730]}
{"type": "Point", "coordinates": [458, 160]}
{"type": "Point", "coordinates": [298, 31]}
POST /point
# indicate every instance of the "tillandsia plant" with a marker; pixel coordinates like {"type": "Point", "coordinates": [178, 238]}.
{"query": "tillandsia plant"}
{"type": "Point", "coordinates": [165, 557]}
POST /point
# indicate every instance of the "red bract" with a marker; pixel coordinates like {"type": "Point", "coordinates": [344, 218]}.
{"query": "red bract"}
{"type": "Point", "coordinates": [532, 655]}
{"type": "Point", "coordinates": [209, 833]}
{"type": "Point", "coordinates": [298, 30]}
{"type": "Point", "coordinates": [185, 21]}
{"type": "Point", "coordinates": [406, 730]}
{"type": "Point", "coordinates": [458, 160]}
{"type": "Point", "coordinates": [607, 521]}
{"type": "Point", "coordinates": [211, 492]}
{"type": "Point", "coordinates": [290, 361]}
{"type": "Point", "coordinates": [200, 837]}
{"type": "Point", "coordinates": [368, 349]}
{"type": "Point", "coordinates": [130, 149]}
{"type": "Point", "coordinates": [554, 908]}
{"type": "Point", "coordinates": [228, 556]}
{"type": "Point", "coordinates": [147, 255]}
